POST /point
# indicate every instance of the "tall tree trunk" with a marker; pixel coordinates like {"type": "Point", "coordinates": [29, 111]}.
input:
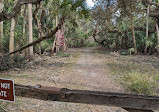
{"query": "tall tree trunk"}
{"type": "Point", "coordinates": [56, 23]}
{"type": "Point", "coordinates": [30, 31]}
{"type": "Point", "coordinates": [133, 34]}
{"type": "Point", "coordinates": [24, 28]}
{"type": "Point", "coordinates": [24, 20]}
{"type": "Point", "coordinates": [157, 28]}
{"type": "Point", "coordinates": [12, 30]}
{"type": "Point", "coordinates": [1, 29]}
{"type": "Point", "coordinates": [147, 29]}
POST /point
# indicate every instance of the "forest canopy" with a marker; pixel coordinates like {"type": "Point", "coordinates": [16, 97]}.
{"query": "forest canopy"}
{"type": "Point", "coordinates": [129, 25]}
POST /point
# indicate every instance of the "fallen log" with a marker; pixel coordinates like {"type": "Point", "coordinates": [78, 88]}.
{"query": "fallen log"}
{"type": "Point", "coordinates": [129, 102]}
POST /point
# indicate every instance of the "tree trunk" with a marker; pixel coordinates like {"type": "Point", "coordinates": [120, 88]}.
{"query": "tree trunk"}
{"type": "Point", "coordinates": [157, 28]}
{"type": "Point", "coordinates": [12, 30]}
{"type": "Point", "coordinates": [147, 29]}
{"type": "Point", "coordinates": [24, 28]}
{"type": "Point", "coordinates": [1, 29]}
{"type": "Point", "coordinates": [117, 43]}
{"type": "Point", "coordinates": [133, 34]}
{"type": "Point", "coordinates": [30, 31]}
{"type": "Point", "coordinates": [24, 20]}
{"type": "Point", "coordinates": [53, 47]}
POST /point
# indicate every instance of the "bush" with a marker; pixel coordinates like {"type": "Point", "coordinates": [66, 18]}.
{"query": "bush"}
{"type": "Point", "coordinates": [12, 62]}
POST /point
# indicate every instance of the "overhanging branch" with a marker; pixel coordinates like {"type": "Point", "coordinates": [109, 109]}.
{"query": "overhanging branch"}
{"type": "Point", "coordinates": [16, 9]}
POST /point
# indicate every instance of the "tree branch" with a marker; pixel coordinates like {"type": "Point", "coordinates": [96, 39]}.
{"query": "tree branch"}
{"type": "Point", "coordinates": [16, 9]}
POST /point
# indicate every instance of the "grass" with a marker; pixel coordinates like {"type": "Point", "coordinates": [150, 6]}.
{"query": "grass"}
{"type": "Point", "coordinates": [135, 77]}
{"type": "Point", "coordinates": [62, 54]}
{"type": "Point", "coordinates": [139, 83]}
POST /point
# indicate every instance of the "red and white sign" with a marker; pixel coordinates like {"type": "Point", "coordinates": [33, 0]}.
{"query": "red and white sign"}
{"type": "Point", "coordinates": [60, 38]}
{"type": "Point", "coordinates": [7, 90]}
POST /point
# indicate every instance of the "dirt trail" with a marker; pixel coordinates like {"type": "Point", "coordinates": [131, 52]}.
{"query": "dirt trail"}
{"type": "Point", "coordinates": [90, 72]}
{"type": "Point", "coordinates": [85, 72]}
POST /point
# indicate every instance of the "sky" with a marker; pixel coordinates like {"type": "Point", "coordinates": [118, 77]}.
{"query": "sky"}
{"type": "Point", "coordinates": [90, 3]}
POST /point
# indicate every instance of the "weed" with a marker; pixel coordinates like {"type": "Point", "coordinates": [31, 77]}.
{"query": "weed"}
{"type": "Point", "coordinates": [61, 54]}
{"type": "Point", "coordinates": [139, 83]}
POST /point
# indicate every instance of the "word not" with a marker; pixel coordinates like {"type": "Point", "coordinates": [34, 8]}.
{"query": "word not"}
{"type": "Point", "coordinates": [5, 85]}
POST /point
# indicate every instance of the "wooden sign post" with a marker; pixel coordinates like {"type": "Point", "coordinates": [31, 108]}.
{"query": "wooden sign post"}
{"type": "Point", "coordinates": [7, 90]}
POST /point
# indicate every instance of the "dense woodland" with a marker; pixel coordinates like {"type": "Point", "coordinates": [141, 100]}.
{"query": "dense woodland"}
{"type": "Point", "coordinates": [127, 26]}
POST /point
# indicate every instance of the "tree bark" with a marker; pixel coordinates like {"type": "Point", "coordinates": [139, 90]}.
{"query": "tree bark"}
{"type": "Point", "coordinates": [133, 34]}
{"type": "Point", "coordinates": [1, 29]}
{"type": "Point", "coordinates": [30, 31]}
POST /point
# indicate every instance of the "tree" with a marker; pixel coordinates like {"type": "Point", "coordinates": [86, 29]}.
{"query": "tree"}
{"type": "Point", "coordinates": [147, 29]}
{"type": "Point", "coordinates": [1, 28]}
{"type": "Point", "coordinates": [129, 8]}
{"type": "Point", "coordinates": [133, 33]}
{"type": "Point", "coordinates": [30, 31]}
{"type": "Point", "coordinates": [157, 30]}
{"type": "Point", "coordinates": [12, 30]}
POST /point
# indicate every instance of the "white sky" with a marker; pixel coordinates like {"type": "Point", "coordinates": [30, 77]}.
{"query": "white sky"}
{"type": "Point", "coordinates": [90, 3]}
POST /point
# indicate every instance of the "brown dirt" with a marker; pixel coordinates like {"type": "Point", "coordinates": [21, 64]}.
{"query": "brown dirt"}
{"type": "Point", "coordinates": [82, 70]}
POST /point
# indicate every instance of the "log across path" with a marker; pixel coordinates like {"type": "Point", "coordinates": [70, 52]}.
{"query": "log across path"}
{"type": "Point", "coordinates": [126, 101]}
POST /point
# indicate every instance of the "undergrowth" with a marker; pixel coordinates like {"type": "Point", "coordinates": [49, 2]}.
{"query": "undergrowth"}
{"type": "Point", "coordinates": [10, 62]}
{"type": "Point", "coordinates": [135, 77]}
{"type": "Point", "coordinates": [139, 83]}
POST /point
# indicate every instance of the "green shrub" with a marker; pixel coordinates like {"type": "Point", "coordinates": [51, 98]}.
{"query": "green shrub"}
{"type": "Point", "coordinates": [8, 62]}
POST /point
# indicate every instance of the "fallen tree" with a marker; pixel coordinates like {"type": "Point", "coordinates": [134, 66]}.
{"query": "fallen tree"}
{"type": "Point", "coordinates": [40, 39]}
